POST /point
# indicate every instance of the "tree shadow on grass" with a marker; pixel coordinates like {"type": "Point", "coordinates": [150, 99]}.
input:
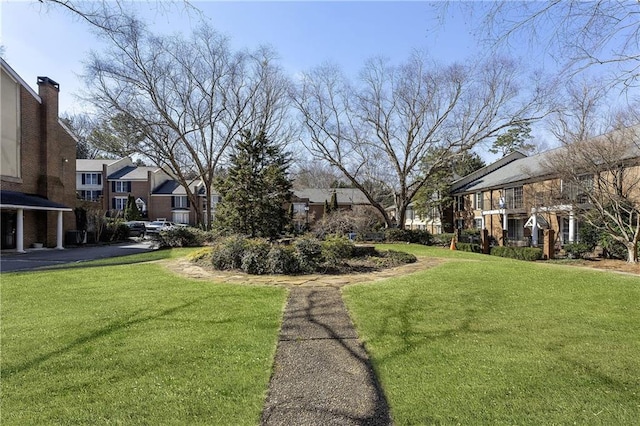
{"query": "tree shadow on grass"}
{"type": "Point", "coordinates": [110, 328]}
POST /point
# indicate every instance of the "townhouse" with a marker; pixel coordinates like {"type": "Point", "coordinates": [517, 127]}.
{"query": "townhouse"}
{"type": "Point", "coordinates": [37, 170]}
{"type": "Point", "coordinates": [309, 203]}
{"type": "Point", "coordinates": [519, 197]}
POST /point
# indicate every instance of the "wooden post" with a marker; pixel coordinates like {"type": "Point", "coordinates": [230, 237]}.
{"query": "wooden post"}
{"type": "Point", "coordinates": [485, 242]}
{"type": "Point", "coordinates": [548, 250]}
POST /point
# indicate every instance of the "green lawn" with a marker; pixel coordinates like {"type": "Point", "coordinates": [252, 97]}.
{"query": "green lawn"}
{"type": "Point", "coordinates": [486, 340]}
{"type": "Point", "coordinates": [134, 344]}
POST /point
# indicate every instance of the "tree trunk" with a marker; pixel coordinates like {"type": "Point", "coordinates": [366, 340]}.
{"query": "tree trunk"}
{"type": "Point", "coordinates": [632, 250]}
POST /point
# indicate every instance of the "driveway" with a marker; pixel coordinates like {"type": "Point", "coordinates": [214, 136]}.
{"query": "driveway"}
{"type": "Point", "coordinates": [42, 258]}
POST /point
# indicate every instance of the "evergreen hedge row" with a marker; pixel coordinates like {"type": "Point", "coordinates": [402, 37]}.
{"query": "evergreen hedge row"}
{"type": "Point", "coordinates": [520, 253]}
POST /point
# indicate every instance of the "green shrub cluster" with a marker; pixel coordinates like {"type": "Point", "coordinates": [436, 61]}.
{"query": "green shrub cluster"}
{"type": "Point", "coordinates": [520, 253]}
{"type": "Point", "coordinates": [336, 248]}
{"type": "Point", "coordinates": [283, 260]}
{"type": "Point", "coordinates": [305, 255]}
{"type": "Point", "coordinates": [254, 258]}
{"type": "Point", "coordinates": [442, 240]}
{"type": "Point", "coordinates": [227, 253]}
{"type": "Point", "coordinates": [114, 230]}
{"type": "Point", "coordinates": [474, 248]}
{"type": "Point", "coordinates": [417, 236]}
{"type": "Point", "coordinates": [184, 236]}
{"type": "Point", "coordinates": [576, 250]}
{"type": "Point", "coordinates": [308, 253]}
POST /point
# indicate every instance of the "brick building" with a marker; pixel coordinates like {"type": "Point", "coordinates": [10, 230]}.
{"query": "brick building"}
{"type": "Point", "coordinates": [37, 170]}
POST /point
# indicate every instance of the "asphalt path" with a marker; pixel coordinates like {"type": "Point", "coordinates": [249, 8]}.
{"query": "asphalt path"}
{"type": "Point", "coordinates": [46, 258]}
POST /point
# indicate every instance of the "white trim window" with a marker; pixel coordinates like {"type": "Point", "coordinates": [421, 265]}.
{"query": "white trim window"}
{"type": "Point", "coordinates": [514, 197]}
{"type": "Point", "coordinates": [90, 195]}
{"type": "Point", "coordinates": [180, 202]}
{"type": "Point", "coordinates": [91, 178]}
{"type": "Point", "coordinates": [479, 201]}
{"type": "Point", "coordinates": [122, 186]}
{"type": "Point", "coordinates": [119, 203]}
{"type": "Point", "coordinates": [181, 217]}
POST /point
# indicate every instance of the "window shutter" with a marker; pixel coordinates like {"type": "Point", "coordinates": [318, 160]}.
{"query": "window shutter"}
{"type": "Point", "coordinates": [113, 203]}
{"type": "Point", "coordinates": [99, 178]}
{"type": "Point", "coordinates": [84, 178]}
{"type": "Point", "coordinates": [113, 186]}
{"type": "Point", "coordinates": [128, 186]}
{"type": "Point", "coordinates": [173, 202]}
{"type": "Point", "coordinates": [98, 194]}
{"type": "Point", "coordinates": [188, 203]}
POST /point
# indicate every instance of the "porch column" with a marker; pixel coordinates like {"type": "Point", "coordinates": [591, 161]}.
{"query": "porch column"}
{"type": "Point", "coordinates": [572, 227]}
{"type": "Point", "coordinates": [20, 231]}
{"type": "Point", "coordinates": [534, 230]}
{"type": "Point", "coordinates": [59, 232]}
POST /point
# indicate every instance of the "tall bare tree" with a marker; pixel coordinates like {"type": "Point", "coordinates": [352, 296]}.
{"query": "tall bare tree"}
{"type": "Point", "coordinates": [111, 15]}
{"type": "Point", "coordinates": [377, 131]}
{"type": "Point", "coordinates": [188, 98]}
{"type": "Point", "coordinates": [579, 34]}
{"type": "Point", "coordinates": [599, 165]}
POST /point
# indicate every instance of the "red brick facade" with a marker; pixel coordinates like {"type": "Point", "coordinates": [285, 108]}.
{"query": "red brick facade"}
{"type": "Point", "coordinates": [47, 162]}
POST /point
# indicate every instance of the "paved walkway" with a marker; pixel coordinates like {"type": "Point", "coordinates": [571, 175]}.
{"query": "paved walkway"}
{"type": "Point", "coordinates": [322, 374]}
{"type": "Point", "coordinates": [45, 258]}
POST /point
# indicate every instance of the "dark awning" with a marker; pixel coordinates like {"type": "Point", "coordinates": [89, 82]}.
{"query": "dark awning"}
{"type": "Point", "coordinates": [20, 200]}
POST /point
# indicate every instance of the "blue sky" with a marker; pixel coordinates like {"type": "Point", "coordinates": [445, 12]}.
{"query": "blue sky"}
{"type": "Point", "coordinates": [50, 42]}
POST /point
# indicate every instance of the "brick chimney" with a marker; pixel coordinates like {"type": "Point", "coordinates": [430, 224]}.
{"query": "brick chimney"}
{"type": "Point", "coordinates": [48, 90]}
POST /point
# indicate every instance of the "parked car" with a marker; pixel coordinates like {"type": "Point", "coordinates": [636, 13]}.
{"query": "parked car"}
{"type": "Point", "coordinates": [159, 225]}
{"type": "Point", "coordinates": [136, 229]}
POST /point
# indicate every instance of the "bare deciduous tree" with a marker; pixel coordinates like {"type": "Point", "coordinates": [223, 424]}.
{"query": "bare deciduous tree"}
{"type": "Point", "coordinates": [188, 98]}
{"type": "Point", "coordinates": [378, 130]}
{"type": "Point", "coordinates": [111, 15]}
{"type": "Point", "coordinates": [579, 34]}
{"type": "Point", "coordinates": [599, 166]}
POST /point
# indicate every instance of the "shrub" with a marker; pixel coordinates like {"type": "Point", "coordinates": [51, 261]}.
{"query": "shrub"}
{"type": "Point", "coordinates": [442, 240]}
{"type": "Point", "coordinates": [474, 248]}
{"type": "Point", "coordinates": [228, 252]}
{"type": "Point", "coordinates": [576, 250]}
{"type": "Point", "coordinates": [182, 236]}
{"type": "Point", "coordinates": [393, 235]}
{"type": "Point", "coordinates": [614, 249]}
{"type": "Point", "coordinates": [114, 230]}
{"type": "Point", "coordinates": [309, 253]}
{"type": "Point", "coordinates": [336, 248]}
{"type": "Point", "coordinates": [520, 253]}
{"type": "Point", "coordinates": [391, 258]}
{"type": "Point", "coordinates": [254, 258]}
{"type": "Point", "coordinates": [282, 260]}
{"type": "Point", "coordinates": [199, 255]}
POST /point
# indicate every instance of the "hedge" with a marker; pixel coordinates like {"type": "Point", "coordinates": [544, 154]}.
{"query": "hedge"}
{"type": "Point", "coordinates": [474, 248]}
{"type": "Point", "coordinates": [520, 253]}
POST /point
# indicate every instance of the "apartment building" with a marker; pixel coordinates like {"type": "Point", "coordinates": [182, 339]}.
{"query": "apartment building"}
{"type": "Point", "coordinates": [518, 197]}
{"type": "Point", "coordinates": [37, 170]}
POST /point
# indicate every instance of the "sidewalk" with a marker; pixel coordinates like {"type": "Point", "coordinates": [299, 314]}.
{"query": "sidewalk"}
{"type": "Point", "coordinates": [322, 374]}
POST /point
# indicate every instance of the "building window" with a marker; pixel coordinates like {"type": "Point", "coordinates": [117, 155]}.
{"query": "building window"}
{"type": "Point", "coordinates": [478, 223]}
{"type": "Point", "coordinates": [10, 160]}
{"type": "Point", "coordinates": [91, 178]}
{"type": "Point", "coordinates": [513, 198]}
{"type": "Point", "coordinates": [180, 202]}
{"type": "Point", "coordinates": [181, 217]}
{"type": "Point", "coordinates": [121, 186]}
{"type": "Point", "coordinates": [89, 195]}
{"type": "Point", "coordinates": [459, 203]}
{"type": "Point", "coordinates": [479, 201]}
{"type": "Point", "coordinates": [515, 229]}
{"type": "Point", "coordinates": [119, 203]}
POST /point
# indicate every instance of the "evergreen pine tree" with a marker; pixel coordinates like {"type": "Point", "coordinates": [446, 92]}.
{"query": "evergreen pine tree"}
{"type": "Point", "coordinates": [334, 202]}
{"type": "Point", "coordinates": [255, 189]}
{"type": "Point", "coordinates": [131, 211]}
